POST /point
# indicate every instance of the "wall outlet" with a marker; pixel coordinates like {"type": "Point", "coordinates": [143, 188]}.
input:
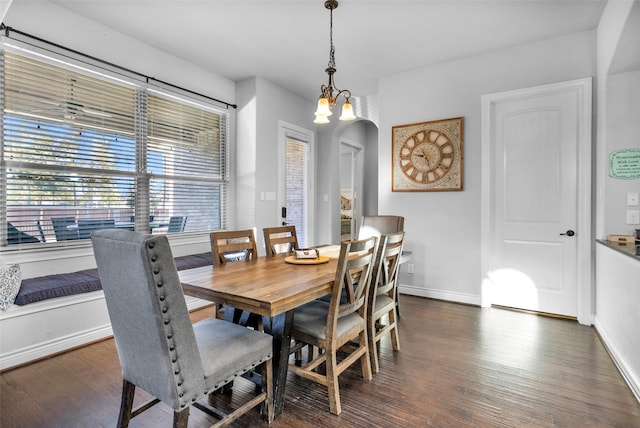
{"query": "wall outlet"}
{"type": "Point", "coordinates": [633, 216]}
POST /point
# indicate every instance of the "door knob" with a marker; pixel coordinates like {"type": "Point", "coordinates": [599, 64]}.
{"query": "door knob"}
{"type": "Point", "coordinates": [569, 233]}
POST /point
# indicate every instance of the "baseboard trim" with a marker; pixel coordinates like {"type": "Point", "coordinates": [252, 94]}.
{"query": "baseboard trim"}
{"type": "Point", "coordinates": [629, 375]}
{"type": "Point", "coordinates": [52, 347]}
{"type": "Point", "coordinates": [62, 344]}
{"type": "Point", "coordinates": [469, 299]}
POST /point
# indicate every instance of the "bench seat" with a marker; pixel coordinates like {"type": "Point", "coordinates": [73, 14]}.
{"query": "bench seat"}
{"type": "Point", "coordinates": [84, 281]}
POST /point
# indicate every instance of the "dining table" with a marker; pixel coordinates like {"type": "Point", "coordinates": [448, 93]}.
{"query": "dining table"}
{"type": "Point", "coordinates": [267, 286]}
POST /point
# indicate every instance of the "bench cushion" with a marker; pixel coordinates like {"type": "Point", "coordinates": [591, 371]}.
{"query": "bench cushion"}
{"type": "Point", "coordinates": [63, 284]}
{"type": "Point", "coordinates": [67, 284]}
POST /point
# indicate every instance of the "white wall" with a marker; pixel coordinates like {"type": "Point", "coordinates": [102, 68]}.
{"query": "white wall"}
{"type": "Point", "coordinates": [261, 105]}
{"type": "Point", "coordinates": [622, 132]}
{"type": "Point", "coordinates": [443, 228]}
{"type": "Point", "coordinates": [617, 288]}
{"type": "Point", "coordinates": [51, 22]}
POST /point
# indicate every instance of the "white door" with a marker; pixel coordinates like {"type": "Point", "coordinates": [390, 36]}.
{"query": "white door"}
{"type": "Point", "coordinates": [536, 138]}
{"type": "Point", "coordinates": [295, 179]}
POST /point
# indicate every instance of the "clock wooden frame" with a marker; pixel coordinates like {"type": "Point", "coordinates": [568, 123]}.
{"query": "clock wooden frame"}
{"type": "Point", "coordinates": [428, 156]}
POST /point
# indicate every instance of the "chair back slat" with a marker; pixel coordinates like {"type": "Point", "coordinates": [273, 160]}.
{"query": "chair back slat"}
{"type": "Point", "coordinates": [225, 242]}
{"type": "Point", "coordinates": [387, 263]}
{"type": "Point", "coordinates": [280, 240]}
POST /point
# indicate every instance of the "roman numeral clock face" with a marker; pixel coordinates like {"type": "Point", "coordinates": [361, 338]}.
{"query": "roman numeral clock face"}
{"type": "Point", "coordinates": [427, 157]}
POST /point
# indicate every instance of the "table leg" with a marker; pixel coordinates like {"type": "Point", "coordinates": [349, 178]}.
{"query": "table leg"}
{"type": "Point", "coordinates": [281, 345]}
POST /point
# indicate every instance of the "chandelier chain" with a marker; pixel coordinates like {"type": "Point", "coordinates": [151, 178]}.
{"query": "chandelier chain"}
{"type": "Point", "coordinates": [332, 50]}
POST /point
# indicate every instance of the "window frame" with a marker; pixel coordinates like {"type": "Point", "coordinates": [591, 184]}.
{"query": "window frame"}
{"type": "Point", "coordinates": [142, 174]}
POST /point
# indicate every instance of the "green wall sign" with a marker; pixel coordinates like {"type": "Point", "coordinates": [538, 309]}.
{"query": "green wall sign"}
{"type": "Point", "coordinates": [625, 164]}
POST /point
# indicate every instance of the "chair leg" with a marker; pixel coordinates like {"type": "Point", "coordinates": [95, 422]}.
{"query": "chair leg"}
{"type": "Point", "coordinates": [126, 403]}
{"type": "Point", "coordinates": [373, 350]}
{"type": "Point", "coordinates": [332, 383]}
{"type": "Point", "coordinates": [365, 359]}
{"type": "Point", "coordinates": [267, 385]}
{"type": "Point", "coordinates": [181, 418]}
{"type": "Point", "coordinates": [395, 339]}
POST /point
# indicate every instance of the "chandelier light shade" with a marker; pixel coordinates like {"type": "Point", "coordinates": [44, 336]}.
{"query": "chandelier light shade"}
{"type": "Point", "coordinates": [329, 94]}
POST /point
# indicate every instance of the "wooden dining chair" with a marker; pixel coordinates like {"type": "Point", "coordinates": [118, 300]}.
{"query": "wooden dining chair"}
{"type": "Point", "coordinates": [382, 296]}
{"type": "Point", "coordinates": [331, 326]}
{"type": "Point", "coordinates": [280, 240]}
{"type": "Point", "coordinates": [377, 225]}
{"type": "Point", "coordinates": [231, 246]}
{"type": "Point", "coordinates": [160, 351]}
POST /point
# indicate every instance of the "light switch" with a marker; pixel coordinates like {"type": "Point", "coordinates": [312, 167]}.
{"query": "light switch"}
{"type": "Point", "coordinates": [633, 217]}
{"type": "Point", "coordinates": [632, 199]}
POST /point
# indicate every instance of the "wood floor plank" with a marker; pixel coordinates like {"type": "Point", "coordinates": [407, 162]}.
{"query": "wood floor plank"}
{"type": "Point", "coordinates": [460, 366]}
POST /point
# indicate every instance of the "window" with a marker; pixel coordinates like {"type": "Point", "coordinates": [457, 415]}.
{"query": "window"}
{"type": "Point", "coordinates": [83, 150]}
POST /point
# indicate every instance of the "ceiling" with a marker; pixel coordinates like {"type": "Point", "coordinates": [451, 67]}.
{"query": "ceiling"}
{"type": "Point", "coordinates": [287, 42]}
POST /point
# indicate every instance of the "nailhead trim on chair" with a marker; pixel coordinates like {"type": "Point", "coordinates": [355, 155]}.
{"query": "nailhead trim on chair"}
{"type": "Point", "coordinates": [231, 378]}
{"type": "Point", "coordinates": [157, 269]}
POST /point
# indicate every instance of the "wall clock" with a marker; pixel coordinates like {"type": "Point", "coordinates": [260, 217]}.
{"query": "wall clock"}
{"type": "Point", "coordinates": [428, 156]}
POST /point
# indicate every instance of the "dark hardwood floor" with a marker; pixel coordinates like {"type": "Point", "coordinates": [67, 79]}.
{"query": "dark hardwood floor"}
{"type": "Point", "coordinates": [460, 366]}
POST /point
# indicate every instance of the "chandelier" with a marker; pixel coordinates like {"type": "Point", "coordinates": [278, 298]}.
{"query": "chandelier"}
{"type": "Point", "coordinates": [329, 93]}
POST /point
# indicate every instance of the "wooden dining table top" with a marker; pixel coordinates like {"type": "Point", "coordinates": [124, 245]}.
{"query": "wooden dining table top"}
{"type": "Point", "coordinates": [264, 286]}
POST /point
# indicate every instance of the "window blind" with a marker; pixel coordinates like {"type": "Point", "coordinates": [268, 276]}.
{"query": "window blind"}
{"type": "Point", "coordinates": [96, 151]}
{"type": "Point", "coordinates": [186, 161]}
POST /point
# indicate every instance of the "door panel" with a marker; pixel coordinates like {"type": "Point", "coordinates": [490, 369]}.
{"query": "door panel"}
{"type": "Point", "coordinates": [534, 152]}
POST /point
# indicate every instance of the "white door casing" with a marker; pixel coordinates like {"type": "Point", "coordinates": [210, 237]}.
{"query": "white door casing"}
{"type": "Point", "coordinates": [536, 185]}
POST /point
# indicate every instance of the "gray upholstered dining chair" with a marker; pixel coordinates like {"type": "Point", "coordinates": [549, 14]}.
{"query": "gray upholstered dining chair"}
{"type": "Point", "coordinates": [280, 240]}
{"type": "Point", "coordinates": [332, 325]}
{"type": "Point", "coordinates": [159, 349]}
{"type": "Point", "coordinates": [382, 296]}
{"type": "Point", "coordinates": [376, 225]}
